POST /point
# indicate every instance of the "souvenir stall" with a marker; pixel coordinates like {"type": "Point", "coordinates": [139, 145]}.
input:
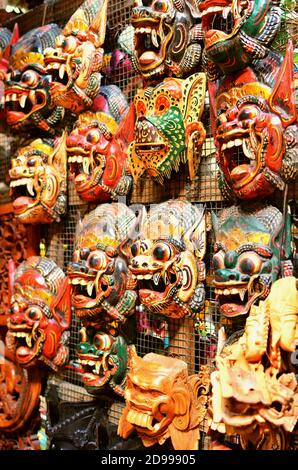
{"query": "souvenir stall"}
{"type": "Point", "coordinates": [148, 225]}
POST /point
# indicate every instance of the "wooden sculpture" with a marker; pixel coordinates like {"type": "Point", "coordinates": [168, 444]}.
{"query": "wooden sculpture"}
{"type": "Point", "coordinates": [248, 255]}
{"type": "Point", "coordinates": [163, 401]}
{"type": "Point", "coordinates": [38, 181]}
{"type": "Point", "coordinates": [39, 322]}
{"type": "Point", "coordinates": [166, 259]}
{"type": "Point", "coordinates": [254, 387]}
{"type": "Point", "coordinates": [76, 60]}
{"type": "Point", "coordinates": [168, 128]}
{"type": "Point", "coordinates": [27, 87]}
{"type": "Point", "coordinates": [167, 37]}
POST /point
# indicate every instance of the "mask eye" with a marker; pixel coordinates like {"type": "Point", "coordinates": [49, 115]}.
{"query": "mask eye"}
{"type": "Point", "coordinates": [97, 260]}
{"type": "Point", "coordinates": [137, 3]}
{"type": "Point", "coordinates": [141, 109]}
{"type": "Point", "coordinates": [31, 162]}
{"type": "Point", "coordinates": [135, 249]}
{"type": "Point", "coordinates": [218, 261]}
{"type": "Point", "coordinates": [162, 105]}
{"type": "Point", "coordinates": [161, 6]}
{"type": "Point", "coordinates": [30, 78]}
{"type": "Point", "coordinates": [93, 136]}
{"type": "Point", "coordinates": [76, 256]}
{"type": "Point", "coordinates": [249, 263]}
{"type": "Point", "coordinates": [162, 252]}
{"type": "Point", "coordinates": [83, 336]}
{"type": "Point", "coordinates": [248, 112]}
{"type": "Point", "coordinates": [34, 313]}
{"type": "Point", "coordinates": [103, 341]}
{"type": "Point", "coordinates": [70, 44]}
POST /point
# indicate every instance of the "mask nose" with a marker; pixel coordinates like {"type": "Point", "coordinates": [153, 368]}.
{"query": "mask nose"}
{"type": "Point", "coordinates": [225, 275]}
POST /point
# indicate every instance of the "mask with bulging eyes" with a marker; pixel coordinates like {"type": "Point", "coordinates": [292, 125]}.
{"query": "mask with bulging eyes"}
{"type": "Point", "coordinates": [76, 59]}
{"type": "Point", "coordinates": [27, 87]}
{"type": "Point", "coordinates": [248, 255]}
{"type": "Point", "coordinates": [38, 181]}
{"type": "Point", "coordinates": [163, 401]}
{"type": "Point", "coordinates": [98, 273]}
{"type": "Point", "coordinates": [166, 259]}
{"type": "Point", "coordinates": [40, 314]}
{"type": "Point", "coordinates": [237, 32]}
{"type": "Point", "coordinates": [255, 132]}
{"type": "Point", "coordinates": [167, 37]}
{"type": "Point", "coordinates": [103, 358]}
{"type": "Point", "coordinates": [168, 129]}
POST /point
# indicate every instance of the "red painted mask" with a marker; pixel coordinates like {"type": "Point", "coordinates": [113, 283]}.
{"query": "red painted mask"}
{"type": "Point", "coordinates": [256, 133]}
{"type": "Point", "coordinates": [97, 158]}
{"type": "Point", "coordinates": [40, 314]}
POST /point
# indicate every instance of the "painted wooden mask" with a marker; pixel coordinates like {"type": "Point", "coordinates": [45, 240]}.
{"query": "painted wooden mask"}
{"type": "Point", "coordinates": [38, 181]}
{"type": "Point", "coordinates": [27, 89]}
{"type": "Point", "coordinates": [99, 272]}
{"type": "Point", "coordinates": [97, 157]}
{"type": "Point", "coordinates": [103, 358]}
{"type": "Point", "coordinates": [166, 259]}
{"type": "Point", "coordinates": [256, 133]}
{"type": "Point", "coordinates": [167, 37]}
{"type": "Point", "coordinates": [76, 59]}
{"type": "Point", "coordinates": [167, 124]}
{"type": "Point", "coordinates": [237, 32]}
{"type": "Point", "coordinates": [247, 255]}
{"type": "Point", "coordinates": [163, 401]}
{"type": "Point", "coordinates": [40, 314]}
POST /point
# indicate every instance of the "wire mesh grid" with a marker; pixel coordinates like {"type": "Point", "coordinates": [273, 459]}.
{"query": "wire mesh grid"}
{"type": "Point", "coordinates": [180, 338]}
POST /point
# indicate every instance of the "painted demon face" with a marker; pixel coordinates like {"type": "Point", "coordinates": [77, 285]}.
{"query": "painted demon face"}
{"type": "Point", "coordinates": [76, 59]}
{"type": "Point", "coordinates": [103, 358]}
{"type": "Point", "coordinates": [167, 37]}
{"type": "Point", "coordinates": [5, 42]}
{"type": "Point", "coordinates": [165, 260]}
{"type": "Point", "coordinates": [40, 314]}
{"type": "Point", "coordinates": [247, 256]}
{"type": "Point", "coordinates": [97, 158]}
{"type": "Point", "coordinates": [27, 88]}
{"type": "Point", "coordinates": [236, 32]}
{"type": "Point", "coordinates": [167, 123]}
{"type": "Point", "coordinates": [38, 181]}
{"type": "Point", "coordinates": [99, 273]}
{"type": "Point", "coordinates": [162, 401]}
{"type": "Point", "coordinates": [257, 148]}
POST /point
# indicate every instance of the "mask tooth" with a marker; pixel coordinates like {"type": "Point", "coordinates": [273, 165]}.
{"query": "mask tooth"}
{"type": "Point", "coordinates": [30, 187]}
{"type": "Point", "coordinates": [29, 341]}
{"type": "Point", "coordinates": [90, 288]}
{"type": "Point", "coordinates": [242, 294]}
{"type": "Point", "coordinates": [156, 278]}
{"type": "Point", "coordinates": [154, 37]}
{"type": "Point", "coordinates": [86, 165]}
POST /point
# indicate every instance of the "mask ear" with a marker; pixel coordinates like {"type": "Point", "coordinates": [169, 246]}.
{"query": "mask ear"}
{"type": "Point", "coordinates": [126, 128]}
{"type": "Point", "coordinates": [61, 306]}
{"type": "Point", "coordinates": [212, 91]}
{"type": "Point", "coordinates": [134, 233]}
{"type": "Point", "coordinates": [59, 157]}
{"type": "Point", "coordinates": [11, 272]}
{"type": "Point", "coordinates": [196, 236]}
{"type": "Point", "coordinates": [14, 38]}
{"type": "Point", "coordinates": [194, 89]}
{"type": "Point", "coordinates": [215, 222]}
{"type": "Point", "coordinates": [283, 100]}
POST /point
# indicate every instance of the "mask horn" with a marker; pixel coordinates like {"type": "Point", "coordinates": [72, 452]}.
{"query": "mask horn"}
{"type": "Point", "coordinates": [283, 100]}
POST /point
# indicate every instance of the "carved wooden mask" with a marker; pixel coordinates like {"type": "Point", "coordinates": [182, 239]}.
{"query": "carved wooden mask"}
{"type": "Point", "coordinates": [168, 123]}
{"type": "Point", "coordinates": [40, 314]}
{"type": "Point", "coordinates": [103, 358]}
{"type": "Point", "coordinates": [98, 272]}
{"type": "Point", "coordinates": [76, 60]}
{"type": "Point", "coordinates": [256, 133]}
{"type": "Point", "coordinates": [163, 402]}
{"type": "Point", "coordinates": [167, 37]}
{"type": "Point", "coordinates": [247, 255]}
{"type": "Point", "coordinates": [27, 87]}
{"type": "Point", "coordinates": [38, 181]}
{"type": "Point", "coordinates": [166, 259]}
{"type": "Point", "coordinates": [254, 388]}
{"type": "Point", "coordinates": [97, 158]}
{"type": "Point", "coordinates": [237, 32]}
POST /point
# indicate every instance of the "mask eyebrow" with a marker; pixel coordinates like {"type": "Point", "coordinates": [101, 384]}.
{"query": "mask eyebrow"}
{"type": "Point", "coordinates": [259, 249]}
